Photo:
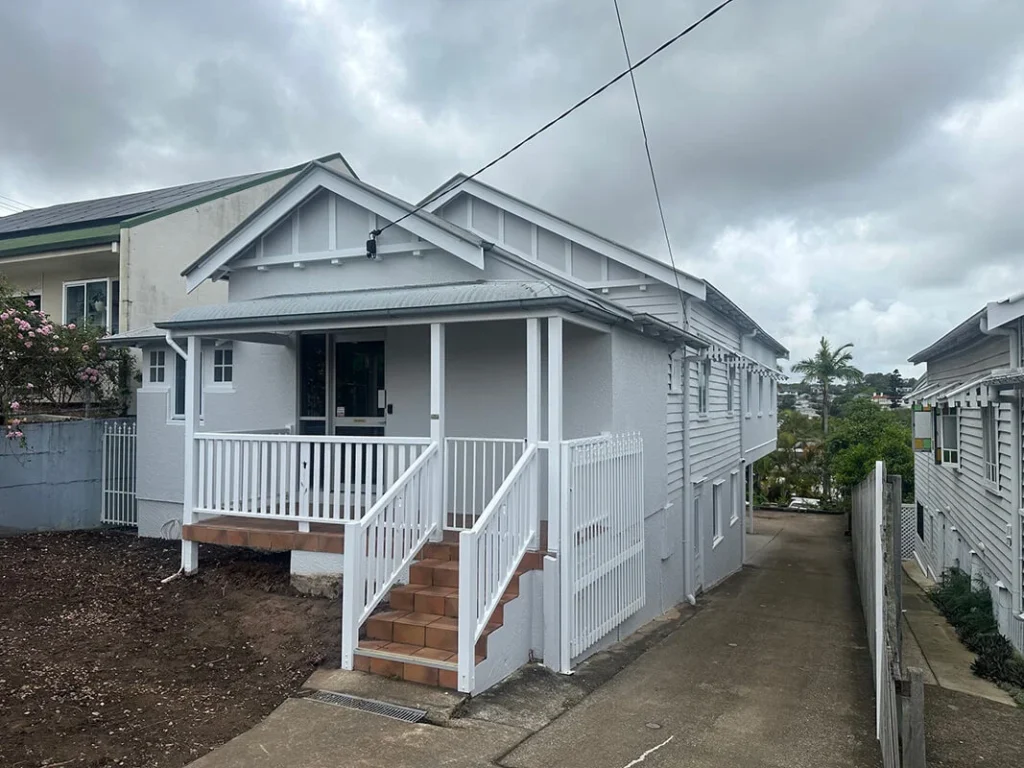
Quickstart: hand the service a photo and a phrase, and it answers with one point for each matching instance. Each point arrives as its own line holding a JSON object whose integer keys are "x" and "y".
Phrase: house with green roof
{"x": 115, "y": 262}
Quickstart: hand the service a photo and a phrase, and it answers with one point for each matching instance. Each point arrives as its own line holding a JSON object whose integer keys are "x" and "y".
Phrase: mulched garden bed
{"x": 102, "y": 665}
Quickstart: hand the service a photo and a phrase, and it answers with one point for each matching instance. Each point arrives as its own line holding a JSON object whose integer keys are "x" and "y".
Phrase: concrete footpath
{"x": 772, "y": 670}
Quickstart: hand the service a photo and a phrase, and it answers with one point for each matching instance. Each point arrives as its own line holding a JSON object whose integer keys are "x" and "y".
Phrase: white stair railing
{"x": 489, "y": 554}
{"x": 330, "y": 479}
{"x": 380, "y": 547}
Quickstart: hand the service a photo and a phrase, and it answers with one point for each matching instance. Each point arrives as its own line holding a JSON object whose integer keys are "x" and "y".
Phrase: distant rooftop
{"x": 122, "y": 207}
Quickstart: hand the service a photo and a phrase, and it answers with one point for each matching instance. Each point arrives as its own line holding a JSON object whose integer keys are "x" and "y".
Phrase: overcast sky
{"x": 852, "y": 168}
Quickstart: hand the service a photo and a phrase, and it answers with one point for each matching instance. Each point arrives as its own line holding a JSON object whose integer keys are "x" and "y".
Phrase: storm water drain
{"x": 394, "y": 711}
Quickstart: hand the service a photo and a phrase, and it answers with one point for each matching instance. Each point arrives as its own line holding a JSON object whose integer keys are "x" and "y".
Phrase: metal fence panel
{"x": 119, "y": 506}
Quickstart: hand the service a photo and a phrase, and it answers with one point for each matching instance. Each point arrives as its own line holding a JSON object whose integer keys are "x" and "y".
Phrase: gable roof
{"x": 430, "y": 227}
{"x": 967, "y": 332}
{"x": 658, "y": 269}
{"x": 124, "y": 207}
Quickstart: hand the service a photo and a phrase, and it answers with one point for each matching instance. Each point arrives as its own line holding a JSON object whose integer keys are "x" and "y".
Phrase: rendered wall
{"x": 54, "y": 483}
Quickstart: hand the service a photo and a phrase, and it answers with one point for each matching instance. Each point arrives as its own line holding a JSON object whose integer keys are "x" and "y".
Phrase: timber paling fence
{"x": 877, "y": 535}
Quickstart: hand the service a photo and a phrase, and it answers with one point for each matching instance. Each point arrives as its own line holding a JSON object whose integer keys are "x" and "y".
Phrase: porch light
{"x": 336, "y": 262}
{"x": 298, "y": 265}
{"x": 261, "y": 268}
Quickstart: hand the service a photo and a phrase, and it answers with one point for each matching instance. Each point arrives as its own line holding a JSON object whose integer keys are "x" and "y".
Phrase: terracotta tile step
{"x": 421, "y": 630}
{"x": 420, "y": 598}
{"x": 266, "y": 534}
{"x": 427, "y": 666}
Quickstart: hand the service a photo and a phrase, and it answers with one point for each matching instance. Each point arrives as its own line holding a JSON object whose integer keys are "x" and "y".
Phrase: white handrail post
{"x": 437, "y": 425}
{"x": 554, "y": 431}
{"x": 533, "y": 415}
{"x": 467, "y": 611}
{"x": 349, "y": 587}
{"x": 190, "y": 549}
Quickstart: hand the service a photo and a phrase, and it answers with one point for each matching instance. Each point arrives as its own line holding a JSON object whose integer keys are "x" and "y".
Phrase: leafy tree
{"x": 867, "y": 434}
{"x": 824, "y": 369}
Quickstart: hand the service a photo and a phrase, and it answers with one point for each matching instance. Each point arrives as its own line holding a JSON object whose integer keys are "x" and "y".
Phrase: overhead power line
{"x": 12, "y": 201}
{"x": 650, "y": 162}
{"x": 668, "y": 43}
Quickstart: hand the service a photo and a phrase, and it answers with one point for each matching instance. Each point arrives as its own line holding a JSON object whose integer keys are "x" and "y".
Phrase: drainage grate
{"x": 394, "y": 711}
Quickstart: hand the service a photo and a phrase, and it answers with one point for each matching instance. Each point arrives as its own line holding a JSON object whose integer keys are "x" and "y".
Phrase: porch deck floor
{"x": 277, "y": 535}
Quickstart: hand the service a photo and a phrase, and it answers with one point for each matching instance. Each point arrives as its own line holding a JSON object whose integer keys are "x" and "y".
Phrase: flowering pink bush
{"x": 69, "y": 367}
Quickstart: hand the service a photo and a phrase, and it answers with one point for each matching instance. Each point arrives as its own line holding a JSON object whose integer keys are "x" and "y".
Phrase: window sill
{"x": 219, "y": 388}
{"x": 703, "y": 416}
{"x": 717, "y": 540}
{"x": 746, "y": 415}
{"x": 760, "y": 414}
{"x": 992, "y": 488}
{"x": 733, "y": 521}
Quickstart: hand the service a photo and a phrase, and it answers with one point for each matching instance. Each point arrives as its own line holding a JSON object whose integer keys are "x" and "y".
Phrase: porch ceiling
{"x": 385, "y": 303}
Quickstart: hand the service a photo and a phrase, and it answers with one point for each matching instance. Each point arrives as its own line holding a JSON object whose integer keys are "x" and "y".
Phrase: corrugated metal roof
{"x": 379, "y": 301}
{"x": 118, "y": 207}
{"x": 128, "y": 338}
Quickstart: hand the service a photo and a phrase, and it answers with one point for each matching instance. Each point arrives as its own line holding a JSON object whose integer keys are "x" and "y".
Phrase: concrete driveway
{"x": 772, "y": 671}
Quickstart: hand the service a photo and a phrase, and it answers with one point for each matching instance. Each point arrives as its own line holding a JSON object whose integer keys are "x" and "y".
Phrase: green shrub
{"x": 969, "y": 609}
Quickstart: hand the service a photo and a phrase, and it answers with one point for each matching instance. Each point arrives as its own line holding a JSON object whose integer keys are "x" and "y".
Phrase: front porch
{"x": 448, "y": 533}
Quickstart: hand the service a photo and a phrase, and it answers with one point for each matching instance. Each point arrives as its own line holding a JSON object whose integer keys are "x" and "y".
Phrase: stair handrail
{"x": 404, "y": 522}
{"x": 490, "y": 553}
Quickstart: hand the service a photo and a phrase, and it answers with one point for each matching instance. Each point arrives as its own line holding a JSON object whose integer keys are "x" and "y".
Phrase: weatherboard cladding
{"x": 980, "y": 512}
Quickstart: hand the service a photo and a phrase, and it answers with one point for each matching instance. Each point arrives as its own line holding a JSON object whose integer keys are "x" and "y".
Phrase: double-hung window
{"x": 947, "y": 436}
{"x": 703, "y": 386}
{"x": 223, "y": 365}
{"x": 990, "y": 444}
{"x": 157, "y": 366}
{"x": 93, "y": 302}
{"x": 730, "y": 397}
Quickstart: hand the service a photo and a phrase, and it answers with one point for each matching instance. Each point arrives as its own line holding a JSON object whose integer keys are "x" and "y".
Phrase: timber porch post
{"x": 190, "y": 549}
{"x": 437, "y": 426}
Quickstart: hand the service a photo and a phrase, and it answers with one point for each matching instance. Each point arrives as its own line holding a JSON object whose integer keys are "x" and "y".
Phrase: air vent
{"x": 383, "y": 708}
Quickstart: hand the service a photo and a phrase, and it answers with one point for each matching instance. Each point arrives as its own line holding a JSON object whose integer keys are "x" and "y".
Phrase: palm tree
{"x": 824, "y": 369}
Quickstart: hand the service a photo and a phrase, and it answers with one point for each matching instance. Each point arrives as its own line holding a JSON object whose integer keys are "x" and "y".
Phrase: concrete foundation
{"x": 317, "y": 573}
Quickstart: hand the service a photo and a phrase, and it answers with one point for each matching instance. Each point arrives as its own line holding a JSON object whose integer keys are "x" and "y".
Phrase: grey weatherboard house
{"x": 967, "y": 457}
{"x": 525, "y": 439}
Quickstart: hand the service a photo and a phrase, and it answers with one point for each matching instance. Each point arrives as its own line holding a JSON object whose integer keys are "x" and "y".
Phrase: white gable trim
{"x": 644, "y": 264}
{"x": 291, "y": 198}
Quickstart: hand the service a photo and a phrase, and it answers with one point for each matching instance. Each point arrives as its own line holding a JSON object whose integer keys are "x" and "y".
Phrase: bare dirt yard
{"x": 102, "y": 665}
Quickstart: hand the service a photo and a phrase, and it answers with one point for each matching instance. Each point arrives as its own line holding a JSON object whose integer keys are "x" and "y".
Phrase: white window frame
{"x": 990, "y": 444}
{"x": 730, "y": 396}
{"x": 703, "y": 386}
{"x": 716, "y": 513}
{"x": 947, "y": 454}
{"x": 735, "y": 497}
{"x": 172, "y": 391}
{"x": 223, "y": 364}
{"x": 760, "y": 396}
{"x": 675, "y": 374}
{"x": 111, "y": 310}
{"x": 773, "y": 397}
{"x": 750, "y": 394}
{"x": 158, "y": 364}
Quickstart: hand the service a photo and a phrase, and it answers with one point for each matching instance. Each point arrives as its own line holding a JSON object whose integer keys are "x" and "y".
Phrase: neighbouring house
{"x": 523, "y": 438}
{"x": 114, "y": 262}
{"x": 967, "y": 460}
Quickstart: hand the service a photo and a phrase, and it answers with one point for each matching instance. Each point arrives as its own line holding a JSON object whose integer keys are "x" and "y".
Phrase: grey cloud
{"x": 800, "y": 146}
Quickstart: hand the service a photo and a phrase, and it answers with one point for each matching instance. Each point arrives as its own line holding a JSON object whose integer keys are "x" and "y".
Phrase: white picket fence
{"x": 602, "y": 538}
{"x": 319, "y": 479}
{"x": 118, "y": 502}
{"x": 489, "y": 554}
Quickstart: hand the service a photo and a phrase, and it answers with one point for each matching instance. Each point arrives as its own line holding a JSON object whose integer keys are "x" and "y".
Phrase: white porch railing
{"x": 380, "y": 547}
{"x": 475, "y": 469}
{"x": 297, "y": 477}
{"x": 601, "y": 538}
{"x": 489, "y": 554}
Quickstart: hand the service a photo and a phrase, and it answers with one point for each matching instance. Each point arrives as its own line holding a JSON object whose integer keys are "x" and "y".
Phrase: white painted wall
{"x": 760, "y": 424}
{"x": 46, "y": 276}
